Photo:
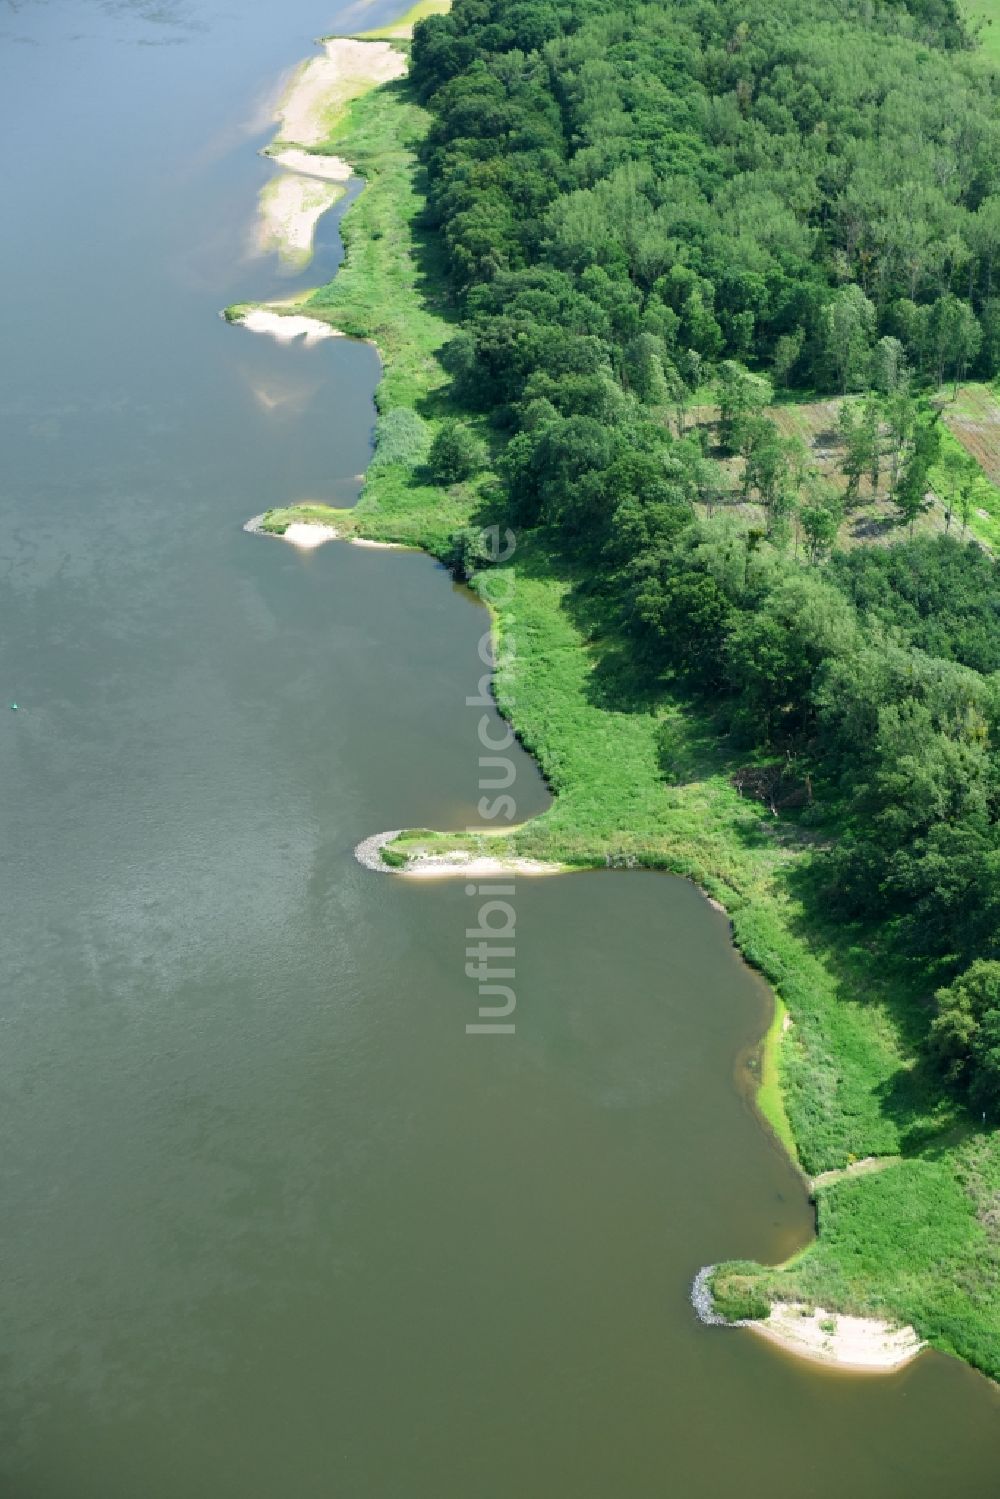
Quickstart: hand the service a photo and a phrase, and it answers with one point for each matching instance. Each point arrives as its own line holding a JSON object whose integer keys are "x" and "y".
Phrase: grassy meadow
{"x": 983, "y": 18}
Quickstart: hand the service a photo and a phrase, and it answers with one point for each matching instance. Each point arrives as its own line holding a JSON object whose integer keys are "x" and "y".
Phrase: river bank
{"x": 911, "y": 1241}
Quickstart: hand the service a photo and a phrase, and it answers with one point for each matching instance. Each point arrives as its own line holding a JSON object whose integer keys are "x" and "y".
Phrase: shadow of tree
{"x": 869, "y": 970}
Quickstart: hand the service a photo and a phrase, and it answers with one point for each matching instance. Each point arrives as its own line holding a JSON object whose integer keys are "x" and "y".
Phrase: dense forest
{"x": 643, "y": 201}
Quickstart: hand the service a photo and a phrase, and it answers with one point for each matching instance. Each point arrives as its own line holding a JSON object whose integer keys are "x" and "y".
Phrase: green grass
{"x": 917, "y": 1241}
{"x": 277, "y": 521}
{"x": 770, "y": 1097}
{"x": 389, "y": 290}
{"x": 983, "y": 19}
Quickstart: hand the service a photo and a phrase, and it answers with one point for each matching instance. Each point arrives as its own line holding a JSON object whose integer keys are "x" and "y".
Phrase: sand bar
{"x": 290, "y": 208}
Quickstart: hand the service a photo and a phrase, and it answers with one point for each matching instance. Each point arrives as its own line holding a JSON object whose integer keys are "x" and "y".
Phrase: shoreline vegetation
{"x": 905, "y": 1248}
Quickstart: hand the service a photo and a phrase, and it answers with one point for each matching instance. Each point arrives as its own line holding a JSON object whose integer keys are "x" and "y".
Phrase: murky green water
{"x": 273, "y": 1224}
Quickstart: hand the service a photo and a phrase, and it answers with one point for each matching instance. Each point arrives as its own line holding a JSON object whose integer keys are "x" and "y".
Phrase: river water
{"x": 272, "y": 1223}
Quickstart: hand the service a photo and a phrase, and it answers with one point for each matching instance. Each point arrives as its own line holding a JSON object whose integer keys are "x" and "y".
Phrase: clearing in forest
{"x": 973, "y": 417}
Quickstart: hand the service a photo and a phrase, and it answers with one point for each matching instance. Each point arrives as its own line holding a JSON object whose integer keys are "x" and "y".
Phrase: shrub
{"x": 738, "y": 1296}
{"x": 965, "y": 1034}
{"x": 467, "y": 552}
{"x": 401, "y": 437}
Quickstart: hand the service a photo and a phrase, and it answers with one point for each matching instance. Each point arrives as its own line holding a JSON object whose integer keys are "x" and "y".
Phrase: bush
{"x": 468, "y": 552}
{"x": 965, "y": 1035}
{"x": 738, "y": 1296}
{"x": 400, "y": 438}
{"x": 455, "y": 454}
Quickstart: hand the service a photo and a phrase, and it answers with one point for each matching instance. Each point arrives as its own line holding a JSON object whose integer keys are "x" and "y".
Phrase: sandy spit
{"x": 309, "y": 534}
{"x": 285, "y": 328}
{"x": 858, "y": 1343}
{"x": 304, "y": 534}
{"x": 440, "y": 866}
{"x": 322, "y": 86}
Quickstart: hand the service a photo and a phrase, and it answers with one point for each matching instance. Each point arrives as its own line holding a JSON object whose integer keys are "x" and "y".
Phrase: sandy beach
{"x": 381, "y": 546}
{"x": 856, "y": 1343}
{"x": 309, "y": 534}
{"x": 286, "y": 328}
{"x": 304, "y": 534}
{"x": 321, "y": 87}
{"x": 856, "y": 1168}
